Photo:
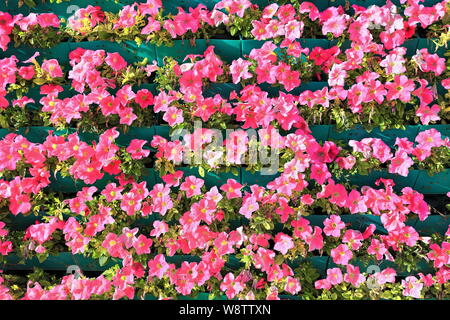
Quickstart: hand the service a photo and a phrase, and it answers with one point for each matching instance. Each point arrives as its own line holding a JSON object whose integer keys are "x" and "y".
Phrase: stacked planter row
{"x": 229, "y": 50}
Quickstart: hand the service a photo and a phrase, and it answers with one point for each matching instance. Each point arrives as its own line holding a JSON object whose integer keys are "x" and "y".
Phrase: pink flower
{"x": 114, "y": 246}
{"x": 334, "y": 276}
{"x": 412, "y": 287}
{"x": 48, "y": 20}
{"x": 446, "y": 83}
{"x": 128, "y": 237}
{"x": 259, "y": 30}
{"x": 130, "y": 203}
{"x": 355, "y": 202}
{"x": 322, "y": 284}
{"x": 5, "y": 248}
{"x": 159, "y": 228}
{"x": 237, "y": 7}
{"x": 394, "y": 62}
{"x": 283, "y": 243}
{"x": 173, "y": 179}
{"x": 353, "y": 276}
{"x": 173, "y": 116}
{"x": 335, "y": 24}
{"x": 151, "y": 7}
{"x": 144, "y": 98}
{"x": 289, "y": 78}
{"x": 377, "y": 248}
{"x": 409, "y": 236}
{"x": 333, "y": 226}
{"x": 19, "y": 204}
{"x": 3, "y": 232}
{"x": 315, "y": 240}
{"x": 302, "y": 228}
{"x": 142, "y": 245}
{"x": 53, "y": 68}
{"x": 401, "y": 88}
{"x": 319, "y": 172}
{"x": 112, "y": 192}
{"x": 192, "y": 186}
{"x": 239, "y": 70}
{"x": 341, "y": 254}
{"x": 429, "y": 139}
{"x": 231, "y": 286}
{"x": 27, "y": 72}
{"x": 115, "y": 61}
{"x": 292, "y": 285}
{"x": 249, "y": 205}
{"x": 400, "y": 164}
{"x": 430, "y": 62}
{"x": 135, "y": 149}
{"x": 428, "y": 114}
{"x": 353, "y": 238}
{"x": 22, "y": 102}
{"x": 307, "y": 199}
{"x": 158, "y": 266}
{"x": 232, "y": 189}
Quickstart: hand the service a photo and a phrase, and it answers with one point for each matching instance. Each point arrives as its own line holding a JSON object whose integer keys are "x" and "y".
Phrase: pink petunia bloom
{"x": 283, "y": 243}
{"x": 144, "y": 98}
{"x": 173, "y": 179}
{"x": 409, "y": 235}
{"x": 315, "y": 240}
{"x": 377, "y": 248}
{"x": 53, "y": 68}
{"x": 158, "y": 266}
{"x": 27, "y": 72}
{"x": 173, "y": 116}
{"x": 322, "y": 284}
{"x": 249, "y": 205}
{"x": 130, "y": 203}
{"x": 334, "y": 276}
{"x": 46, "y": 20}
{"x": 353, "y": 239}
{"x": 159, "y": 228}
{"x": 333, "y": 226}
{"x": 142, "y": 245}
{"x": 355, "y": 202}
{"x": 412, "y": 287}
{"x": 5, "y": 247}
{"x": 135, "y": 149}
{"x": 115, "y": 61}
{"x": 192, "y": 186}
{"x": 429, "y": 139}
{"x": 231, "y": 286}
{"x": 401, "y": 88}
{"x": 232, "y": 189}
{"x": 335, "y": 24}
{"x": 114, "y": 246}
{"x": 239, "y": 70}
{"x": 353, "y": 276}
{"x": 151, "y": 7}
{"x": 292, "y": 285}
{"x": 400, "y": 164}
{"x": 341, "y": 254}
{"x": 428, "y": 114}
{"x": 319, "y": 172}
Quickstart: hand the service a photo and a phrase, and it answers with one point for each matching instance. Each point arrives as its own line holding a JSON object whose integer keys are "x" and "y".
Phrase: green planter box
{"x": 417, "y": 179}
{"x": 227, "y": 50}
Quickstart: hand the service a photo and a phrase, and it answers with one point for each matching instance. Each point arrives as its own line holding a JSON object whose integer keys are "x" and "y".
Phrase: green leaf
{"x": 201, "y": 172}
{"x": 103, "y": 260}
{"x": 30, "y": 3}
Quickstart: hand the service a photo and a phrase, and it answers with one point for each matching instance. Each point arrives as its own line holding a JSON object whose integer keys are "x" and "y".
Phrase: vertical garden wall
{"x": 127, "y": 152}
